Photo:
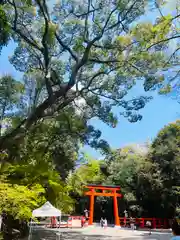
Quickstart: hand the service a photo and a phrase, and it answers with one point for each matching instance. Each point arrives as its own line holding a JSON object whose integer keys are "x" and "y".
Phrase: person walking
{"x": 132, "y": 225}
{"x": 86, "y": 214}
{"x": 176, "y": 230}
{"x": 125, "y": 217}
{"x": 149, "y": 225}
{"x": 101, "y": 222}
{"x": 105, "y": 223}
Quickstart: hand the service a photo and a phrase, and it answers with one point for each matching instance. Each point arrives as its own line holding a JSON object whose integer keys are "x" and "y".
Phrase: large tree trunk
{"x": 45, "y": 109}
{"x": 13, "y": 229}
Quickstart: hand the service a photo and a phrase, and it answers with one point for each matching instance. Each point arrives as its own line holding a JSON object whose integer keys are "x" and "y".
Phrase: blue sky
{"x": 158, "y": 112}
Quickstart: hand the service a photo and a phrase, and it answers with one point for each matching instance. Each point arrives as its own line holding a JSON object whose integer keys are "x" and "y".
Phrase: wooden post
{"x": 116, "y": 213}
{"x": 154, "y": 223}
{"x": 91, "y": 210}
{"x": 124, "y": 221}
{"x": 165, "y": 223}
{"x": 142, "y": 223}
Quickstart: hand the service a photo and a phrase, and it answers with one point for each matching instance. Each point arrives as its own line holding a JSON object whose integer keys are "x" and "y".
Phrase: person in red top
{"x": 83, "y": 221}
{"x": 53, "y": 222}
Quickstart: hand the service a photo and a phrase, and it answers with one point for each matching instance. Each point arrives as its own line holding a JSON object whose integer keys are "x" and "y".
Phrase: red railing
{"x": 155, "y": 222}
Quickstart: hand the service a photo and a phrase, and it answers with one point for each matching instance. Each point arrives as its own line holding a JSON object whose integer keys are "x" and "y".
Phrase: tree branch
{"x": 84, "y": 59}
{"x": 124, "y": 18}
{"x": 172, "y": 55}
{"x": 91, "y": 80}
{"x": 45, "y": 49}
{"x": 86, "y": 32}
{"x": 176, "y": 17}
{"x": 109, "y": 17}
{"x": 85, "y": 14}
{"x": 66, "y": 48}
{"x": 158, "y": 7}
{"x": 103, "y": 61}
{"x": 135, "y": 67}
{"x": 80, "y": 63}
{"x": 97, "y": 75}
{"x": 14, "y": 28}
{"x": 103, "y": 95}
{"x": 112, "y": 47}
{"x": 90, "y": 44}
{"x": 174, "y": 77}
{"x": 164, "y": 40}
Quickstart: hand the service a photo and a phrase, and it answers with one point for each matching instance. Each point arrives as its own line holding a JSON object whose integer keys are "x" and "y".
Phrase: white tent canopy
{"x": 47, "y": 210}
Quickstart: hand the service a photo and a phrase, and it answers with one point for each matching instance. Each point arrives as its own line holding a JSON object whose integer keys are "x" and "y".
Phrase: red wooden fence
{"x": 155, "y": 222}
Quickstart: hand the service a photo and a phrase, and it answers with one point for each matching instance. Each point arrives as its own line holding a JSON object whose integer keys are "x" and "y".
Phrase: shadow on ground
{"x": 43, "y": 234}
{"x": 49, "y": 234}
{"x": 155, "y": 236}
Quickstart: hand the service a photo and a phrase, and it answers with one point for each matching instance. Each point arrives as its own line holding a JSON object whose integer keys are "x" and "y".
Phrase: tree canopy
{"x": 92, "y": 52}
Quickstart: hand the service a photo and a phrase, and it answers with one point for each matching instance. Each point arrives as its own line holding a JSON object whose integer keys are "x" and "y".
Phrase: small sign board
{"x": 76, "y": 223}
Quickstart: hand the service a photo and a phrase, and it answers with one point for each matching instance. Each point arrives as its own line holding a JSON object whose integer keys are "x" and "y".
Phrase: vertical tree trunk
{"x": 6, "y": 227}
{"x": 13, "y": 229}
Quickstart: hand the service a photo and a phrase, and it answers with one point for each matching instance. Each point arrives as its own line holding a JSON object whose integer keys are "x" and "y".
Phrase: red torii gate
{"x": 106, "y": 191}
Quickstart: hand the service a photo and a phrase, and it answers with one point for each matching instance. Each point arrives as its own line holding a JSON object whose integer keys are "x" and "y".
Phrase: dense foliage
{"x": 20, "y": 200}
{"x": 27, "y": 185}
{"x": 4, "y": 27}
{"x": 143, "y": 172}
